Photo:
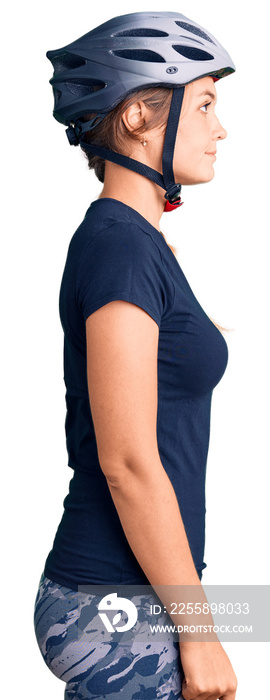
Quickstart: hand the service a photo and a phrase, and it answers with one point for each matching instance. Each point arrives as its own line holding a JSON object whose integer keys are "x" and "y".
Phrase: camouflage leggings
{"x": 94, "y": 669}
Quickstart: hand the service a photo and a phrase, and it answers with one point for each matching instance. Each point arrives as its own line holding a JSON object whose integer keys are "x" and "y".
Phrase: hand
{"x": 208, "y": 672}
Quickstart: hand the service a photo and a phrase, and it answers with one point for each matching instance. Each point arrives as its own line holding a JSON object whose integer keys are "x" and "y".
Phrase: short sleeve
{"x": 121, "y": 262}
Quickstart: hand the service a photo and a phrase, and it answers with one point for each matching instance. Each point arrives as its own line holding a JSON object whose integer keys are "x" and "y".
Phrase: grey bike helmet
{"x": 143, "y": 49}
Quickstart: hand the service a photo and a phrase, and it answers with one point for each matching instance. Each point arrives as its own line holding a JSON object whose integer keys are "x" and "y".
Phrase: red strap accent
{"x": 172, "y": 207}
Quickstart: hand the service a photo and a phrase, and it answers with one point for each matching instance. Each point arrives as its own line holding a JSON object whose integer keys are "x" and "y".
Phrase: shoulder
{"x": 126, "y": 235}
{"x": 121, "y": 261}
{"x": 120, "y": 243}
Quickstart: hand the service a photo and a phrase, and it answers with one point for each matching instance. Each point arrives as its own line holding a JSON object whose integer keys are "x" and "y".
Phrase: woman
{"x": 141, "y": 358}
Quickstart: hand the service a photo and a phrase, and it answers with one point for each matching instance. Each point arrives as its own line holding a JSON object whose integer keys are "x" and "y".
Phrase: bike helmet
{"x": 142, "y": 49}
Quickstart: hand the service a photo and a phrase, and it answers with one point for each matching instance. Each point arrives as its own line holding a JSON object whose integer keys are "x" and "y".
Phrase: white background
{"x": 221, "y": 234}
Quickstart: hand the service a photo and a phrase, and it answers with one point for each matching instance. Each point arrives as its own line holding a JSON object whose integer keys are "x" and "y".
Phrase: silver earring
{"x": 144, "y": 142}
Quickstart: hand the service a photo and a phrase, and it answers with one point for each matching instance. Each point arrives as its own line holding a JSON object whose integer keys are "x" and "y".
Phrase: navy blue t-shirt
{"x": 117, "y": 254}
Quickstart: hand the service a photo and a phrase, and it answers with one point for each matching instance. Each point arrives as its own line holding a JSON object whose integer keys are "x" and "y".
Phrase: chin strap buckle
{"x": 173, "y": 197}
{"x": 73, "y": 134}
{"x": 172, "y": 207}
{"x": 173, "y": 193}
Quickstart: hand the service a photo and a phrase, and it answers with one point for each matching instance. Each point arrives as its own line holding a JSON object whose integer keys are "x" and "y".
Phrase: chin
{"x": 198, "y": 178}
{"x": 208, "y": 177}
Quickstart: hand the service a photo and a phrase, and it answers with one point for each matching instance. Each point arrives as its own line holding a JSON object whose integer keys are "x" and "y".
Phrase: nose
{"x": 220, "y": 132}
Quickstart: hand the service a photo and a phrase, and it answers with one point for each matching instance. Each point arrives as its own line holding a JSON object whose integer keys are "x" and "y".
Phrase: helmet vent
{"x": 141, "y": 32}
{"x": 195, "y": 30}
{"x": 140, "y": 55}
{"x": 193, "y": 54}
{"x": 65, "y": 61}
{"x": 57, "y": 94}
{"x": 83, "y": 87}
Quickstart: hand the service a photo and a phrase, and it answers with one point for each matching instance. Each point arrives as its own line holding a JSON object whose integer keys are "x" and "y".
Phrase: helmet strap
{"x": 172, "y": 189}
{"x": 166, "y": 181}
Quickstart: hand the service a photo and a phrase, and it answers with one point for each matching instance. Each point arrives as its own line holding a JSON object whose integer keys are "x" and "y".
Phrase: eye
{"x": 205, "y": 106}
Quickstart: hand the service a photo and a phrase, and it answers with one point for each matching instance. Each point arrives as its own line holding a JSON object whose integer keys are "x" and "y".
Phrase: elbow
{"x": 125, "y": 464}
{"x": 115, "y": 481}
{"x": 129, "y": 473}
{"x": 116, "y": 473}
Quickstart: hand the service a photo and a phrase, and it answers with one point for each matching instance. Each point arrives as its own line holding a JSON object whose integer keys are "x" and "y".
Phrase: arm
{"x": 122, "y": 346}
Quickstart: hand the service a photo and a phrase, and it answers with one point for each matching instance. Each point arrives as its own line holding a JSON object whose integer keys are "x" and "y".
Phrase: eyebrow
{"x": 207, "y": 92}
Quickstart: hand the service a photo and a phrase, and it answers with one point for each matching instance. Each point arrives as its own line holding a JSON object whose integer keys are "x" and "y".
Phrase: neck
{"x": 135, "y": 190}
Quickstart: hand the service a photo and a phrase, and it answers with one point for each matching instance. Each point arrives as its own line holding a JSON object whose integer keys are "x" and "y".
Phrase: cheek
{"x": 192, "y": 137}
{"x": 189, "y": 149}
{"x": 190, "y": 163}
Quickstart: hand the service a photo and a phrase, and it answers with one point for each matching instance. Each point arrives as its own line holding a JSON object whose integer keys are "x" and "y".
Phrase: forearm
{"x": 150, "y": 516}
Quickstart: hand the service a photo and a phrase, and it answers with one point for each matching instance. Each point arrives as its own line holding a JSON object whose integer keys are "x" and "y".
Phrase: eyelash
{"x": 206, "y": 105}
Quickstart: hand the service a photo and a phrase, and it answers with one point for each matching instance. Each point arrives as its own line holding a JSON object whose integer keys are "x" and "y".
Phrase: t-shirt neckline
{"x": 134, "y": 211}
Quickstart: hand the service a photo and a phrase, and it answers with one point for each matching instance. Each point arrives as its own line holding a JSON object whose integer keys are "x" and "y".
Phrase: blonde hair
{"x": 112, "y": 133}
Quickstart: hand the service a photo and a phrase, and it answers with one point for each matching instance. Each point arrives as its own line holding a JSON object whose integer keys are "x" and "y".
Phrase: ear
{"x": 134, "y": 116}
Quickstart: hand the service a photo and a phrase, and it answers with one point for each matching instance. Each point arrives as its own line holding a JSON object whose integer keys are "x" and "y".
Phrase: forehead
{"x": 203, "y": 85}
{"x": 196, "y": 91}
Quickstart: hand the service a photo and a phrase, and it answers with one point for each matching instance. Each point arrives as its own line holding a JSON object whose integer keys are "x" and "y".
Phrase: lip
{"x": 211, "y": 154}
